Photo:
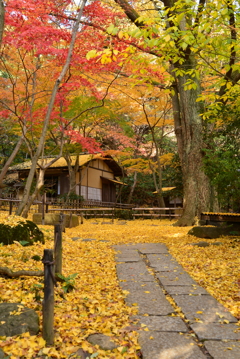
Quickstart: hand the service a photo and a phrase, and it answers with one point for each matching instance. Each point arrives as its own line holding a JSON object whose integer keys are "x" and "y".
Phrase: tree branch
{"x": 232, "y": 76}
{"x": 93, "y": 107}
{"x": 8, "y": 272}
{"x": 130, "y": 12}
{"x": 2, "y": 18}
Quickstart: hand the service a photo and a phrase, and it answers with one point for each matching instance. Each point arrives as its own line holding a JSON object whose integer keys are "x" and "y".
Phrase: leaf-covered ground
{"x": 96, "y": 305}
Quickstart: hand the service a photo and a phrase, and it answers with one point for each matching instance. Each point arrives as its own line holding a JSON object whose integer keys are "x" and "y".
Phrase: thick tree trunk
{"x": 187, "y": 112}
{"x": 197, "y": 191}
{"x": 189, "y": 133}
{"x": 187, "y": 119}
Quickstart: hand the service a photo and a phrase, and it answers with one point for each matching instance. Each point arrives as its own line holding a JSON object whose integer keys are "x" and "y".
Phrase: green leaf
{"x": 110, "y": 29}
{"x": 24, "y": 243}
{"x": 91, "y": 54}
{"x": 224, "y": 11}
{"x": 184, "y": 45}
{"x": 124, "y": 350}
{"x": 36, "y": 258}
{"x": 94, "y": 355}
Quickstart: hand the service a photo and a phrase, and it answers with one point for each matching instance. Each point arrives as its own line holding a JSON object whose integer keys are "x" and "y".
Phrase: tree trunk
{"x": 2, "y": 18}
{"x": 39, "y": 185}
{"x": 158, "y": 187}
{"x": 10, "y": 159}
{"x": 189, "y": 133}
{"x": 72, "y": 174}
{"x": 132, "y": 188}
{"x": 187, "y": 121}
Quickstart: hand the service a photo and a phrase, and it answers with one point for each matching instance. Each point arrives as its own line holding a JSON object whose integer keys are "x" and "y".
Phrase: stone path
{"x": 149, "y": 273}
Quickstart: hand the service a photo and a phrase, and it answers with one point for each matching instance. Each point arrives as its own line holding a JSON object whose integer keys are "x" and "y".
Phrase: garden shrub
{"x": 14, "y": 228}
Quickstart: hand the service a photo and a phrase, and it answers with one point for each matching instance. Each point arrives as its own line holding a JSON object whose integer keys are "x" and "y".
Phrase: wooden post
{"x": 81, "y": 216}
{"x": 10, "y": 207}
{"x": 58, "y": 248}
{"x": 48, "y": 302}
{"x": 61, "y": 220}
{"x": 70, "y": 220}
{"x": 43, "y": 209}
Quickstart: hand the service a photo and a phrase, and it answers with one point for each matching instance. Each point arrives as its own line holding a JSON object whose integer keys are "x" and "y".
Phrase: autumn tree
{"x": 151, "y": 117}
{"x": 35, "y": 45}
{"x": 40, "y": 40}
{"x": 54, "y": 92}
{"x": 190, "y": 39}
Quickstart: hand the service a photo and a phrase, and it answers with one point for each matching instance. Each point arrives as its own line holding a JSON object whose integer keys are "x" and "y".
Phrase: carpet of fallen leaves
{"x": 96, "y": 305}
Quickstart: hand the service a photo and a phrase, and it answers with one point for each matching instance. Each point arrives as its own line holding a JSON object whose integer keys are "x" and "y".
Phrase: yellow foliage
{"x": 166, "y": 159}
{"x": 12, "y": 220}
{"x": 96, "y": 305}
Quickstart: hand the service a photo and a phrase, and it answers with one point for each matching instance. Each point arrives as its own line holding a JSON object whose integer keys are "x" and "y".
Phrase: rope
{"x": 50, "y": 264}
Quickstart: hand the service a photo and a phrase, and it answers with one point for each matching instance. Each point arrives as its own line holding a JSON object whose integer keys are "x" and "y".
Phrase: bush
{"x": 123, "y": 213}
{"x": 71, "y": 197}
{"x": 20, "y": 230}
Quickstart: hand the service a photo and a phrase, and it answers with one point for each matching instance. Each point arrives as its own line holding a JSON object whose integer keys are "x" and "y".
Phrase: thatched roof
{"x": 61, "y": 163}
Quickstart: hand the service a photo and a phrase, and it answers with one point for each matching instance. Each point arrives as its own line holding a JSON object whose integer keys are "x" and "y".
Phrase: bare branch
{"x": 93, "y": 107}
{"x": 8, "y": 272}
{"x": 2, "y": 18}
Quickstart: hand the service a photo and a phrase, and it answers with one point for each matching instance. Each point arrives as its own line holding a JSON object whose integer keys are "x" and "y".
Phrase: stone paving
{"x": 207, "y": 331}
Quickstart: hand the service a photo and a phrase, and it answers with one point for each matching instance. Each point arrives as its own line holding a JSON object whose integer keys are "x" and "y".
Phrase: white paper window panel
{"x": 91, "y": 193}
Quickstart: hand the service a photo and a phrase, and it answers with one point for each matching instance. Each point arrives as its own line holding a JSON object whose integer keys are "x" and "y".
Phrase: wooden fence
{"x": 92, "y": 209}
{"x": 169, "y": 212}
{"x": 10, "y": 205}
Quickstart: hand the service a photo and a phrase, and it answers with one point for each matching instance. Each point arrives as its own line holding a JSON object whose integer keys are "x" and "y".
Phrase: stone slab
{"x": 162, "y": 323}
{"x": 127, "y": 252}
{"x": 210, "y": 310}
{"x": 165, "y": 345}
{"x": 150, "y": 299}
{"x": 216, "y": 331}
{"x": 75, "y": 238}
{"x": 128, "y": 256}
{"x": 133, "y": 272}
{"x": 139, "y": 285}
{"x": 144, "y": 248}
{"x": 175, "y": 278}
{"x": 220, "y": 350}
{"x": 164, "y": 263}
{"x": 119, "y": 247}
{"x": 127, "y": 259}
{"x": 88, "y": 239}
{"x": 191, "y": 290}
{"x": 154, "y": 248}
